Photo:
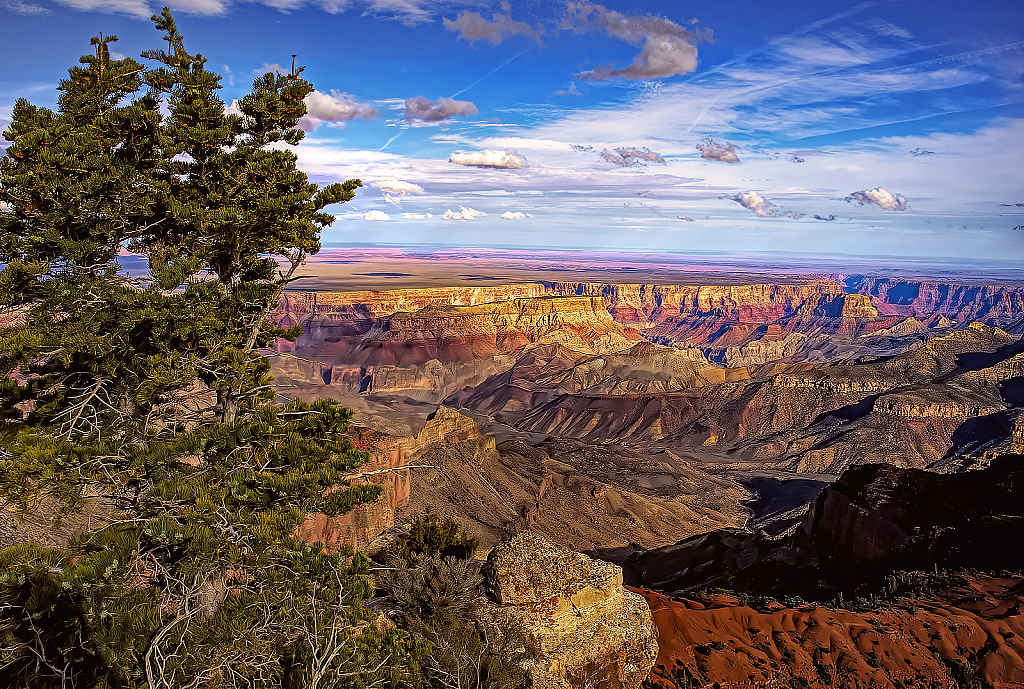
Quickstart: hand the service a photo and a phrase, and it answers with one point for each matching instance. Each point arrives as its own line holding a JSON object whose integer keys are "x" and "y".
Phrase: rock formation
{"x": 390, "y": 458}
{"x": 590, "y": 631}
{"x": 874, "y": 520}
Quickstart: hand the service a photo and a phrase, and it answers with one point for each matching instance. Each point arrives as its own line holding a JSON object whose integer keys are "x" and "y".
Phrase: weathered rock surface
{"x": 589, "y": 629}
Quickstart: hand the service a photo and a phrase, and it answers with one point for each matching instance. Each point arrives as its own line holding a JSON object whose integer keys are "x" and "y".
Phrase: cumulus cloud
{"x": 753, "y": 201}
{"x": 879, "y": 197}
{"x": 632, "y": 157}
{"x": 376, "y": 215}
{"x": 333, "y": 107}
{"x": 496, "y": 159}
{"x": 462, "y": 214}
{"x": 426, "y": 110}
{"x": 417, "y": 216}
{"x": 668, "y": 48}
{"x": 515, "y": 215}
{"x": 571, "y": 91}
{"x": 712, "y": 150}
{"x": 473, "y": 27}
{"x": 397, "y": 187}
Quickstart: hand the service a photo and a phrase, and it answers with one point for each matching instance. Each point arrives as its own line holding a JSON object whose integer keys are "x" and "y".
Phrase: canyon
{"x": 794, "y": 439}
{"x": 807, "y": 376}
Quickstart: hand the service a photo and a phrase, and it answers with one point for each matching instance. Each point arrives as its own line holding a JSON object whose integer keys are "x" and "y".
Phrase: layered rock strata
{"x": 388, "y": 467}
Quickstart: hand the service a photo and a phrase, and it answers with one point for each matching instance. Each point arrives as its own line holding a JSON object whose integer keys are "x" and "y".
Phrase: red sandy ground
{"x": 720, "y": 643}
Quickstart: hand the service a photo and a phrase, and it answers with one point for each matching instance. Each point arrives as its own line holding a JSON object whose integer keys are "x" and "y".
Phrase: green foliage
{"x": 429, "y": 536}
{"x": 150, "y": 396}
{"x": 439, "y": 600}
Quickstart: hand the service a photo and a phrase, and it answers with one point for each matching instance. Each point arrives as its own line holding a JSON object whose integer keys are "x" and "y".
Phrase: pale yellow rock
{"x": 589, "y": 629}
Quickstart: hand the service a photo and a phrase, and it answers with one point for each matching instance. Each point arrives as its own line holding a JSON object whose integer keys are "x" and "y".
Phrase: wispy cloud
{"x": 26, "y": 8}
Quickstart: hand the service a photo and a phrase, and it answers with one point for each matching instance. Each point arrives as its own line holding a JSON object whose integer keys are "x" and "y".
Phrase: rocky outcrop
{"x": 590, "y": 631}
{"x": 874, "y": 520}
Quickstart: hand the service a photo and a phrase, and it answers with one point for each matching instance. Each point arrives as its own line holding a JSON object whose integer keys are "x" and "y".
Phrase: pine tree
{"x": 150, "y": 394}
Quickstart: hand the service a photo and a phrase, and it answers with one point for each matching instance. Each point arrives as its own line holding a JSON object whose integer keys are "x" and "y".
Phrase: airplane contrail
{"x": 491, "y": 73}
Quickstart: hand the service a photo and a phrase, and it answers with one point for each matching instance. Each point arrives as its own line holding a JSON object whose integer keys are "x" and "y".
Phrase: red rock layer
{"x": 973, "y": 630}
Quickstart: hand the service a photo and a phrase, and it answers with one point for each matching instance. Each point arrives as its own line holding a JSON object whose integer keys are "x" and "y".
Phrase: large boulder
{"x": 590, "y": 631}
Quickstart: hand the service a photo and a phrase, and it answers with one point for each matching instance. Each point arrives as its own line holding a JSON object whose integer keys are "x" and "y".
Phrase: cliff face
{"x": 803, "y": 376}
{"x": 895, "y": 297}
{"x": 875, "y": 519}
{"x": 389, "y": 456}
{"x": 365, "y": 335}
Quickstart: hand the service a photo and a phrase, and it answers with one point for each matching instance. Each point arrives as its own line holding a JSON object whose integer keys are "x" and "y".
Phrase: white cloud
{"x": 376, "y": 215}
{"x": 712, "y": 150}
{"x": 632, "y": 156}
{"x": 426, "y": 110}
{"x": 333, "y": 107}
{"x": 879, "y": 197}
{"x": 573, "y": 90}
{"x": 753, "y": 201}
{"x": 462, "y": 214}
{"x": 397, "y": 187}
{"x": 516, "y": 215}
{"x": 496, "y": 159}
{"x": 271, "y": 67}
{"x": 473, "y": 27}
{"x": 416, "y": 216}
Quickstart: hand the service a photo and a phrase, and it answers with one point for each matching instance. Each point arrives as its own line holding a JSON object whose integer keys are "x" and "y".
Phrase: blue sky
{"x": 899, "y": 124}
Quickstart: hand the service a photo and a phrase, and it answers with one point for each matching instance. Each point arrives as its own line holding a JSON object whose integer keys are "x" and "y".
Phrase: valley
{"x": 603, "y": 414}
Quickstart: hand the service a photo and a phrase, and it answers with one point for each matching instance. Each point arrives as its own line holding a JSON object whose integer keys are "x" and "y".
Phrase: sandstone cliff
{"x": 390, "y": 458}
{"x": 590, "y": 630}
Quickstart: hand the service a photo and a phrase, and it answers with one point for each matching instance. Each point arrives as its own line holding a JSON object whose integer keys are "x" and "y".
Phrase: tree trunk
{"x": 227, "y": 404}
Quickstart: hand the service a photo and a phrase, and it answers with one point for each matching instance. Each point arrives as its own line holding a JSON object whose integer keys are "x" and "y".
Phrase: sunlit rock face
{"x": 590, "y": 631}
